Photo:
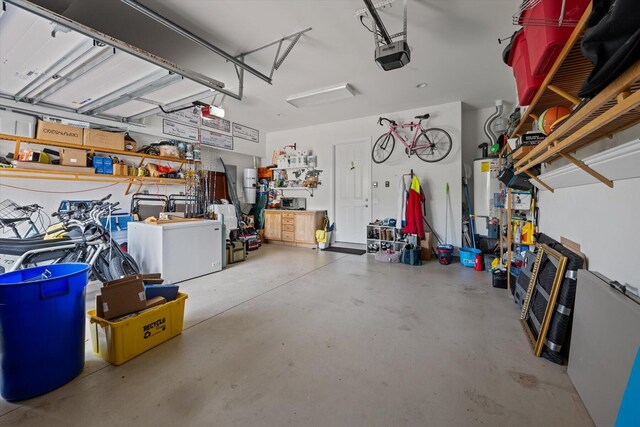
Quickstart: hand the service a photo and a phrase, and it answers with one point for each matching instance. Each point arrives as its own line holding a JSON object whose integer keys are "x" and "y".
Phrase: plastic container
{"x": 118, "y": 342}
{"x": 488, "y": 260}
{"x": 468, "y": 256}
{"x": 544, "y": 42}
{"x": 499, "y": 279}
{"x": 445, "y": 254}
{"x": 526, "y": 82}
{"x": 41, "y": 328}
{"x": 325, "y": 245}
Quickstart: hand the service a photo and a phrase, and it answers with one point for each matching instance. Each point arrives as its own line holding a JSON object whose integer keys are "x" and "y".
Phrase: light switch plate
{"x": 386, "y": 183}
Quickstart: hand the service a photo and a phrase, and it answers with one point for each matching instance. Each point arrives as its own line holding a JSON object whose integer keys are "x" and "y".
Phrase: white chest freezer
{"x": 179, "y": 251}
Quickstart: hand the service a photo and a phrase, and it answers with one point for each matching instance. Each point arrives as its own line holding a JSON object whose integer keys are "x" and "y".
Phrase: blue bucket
{"x": 41, "y": 328}
{"x": 468, "y": 256}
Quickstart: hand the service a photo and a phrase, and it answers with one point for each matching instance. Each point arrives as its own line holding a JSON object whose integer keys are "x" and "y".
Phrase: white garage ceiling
{"x": 454, "y": 50}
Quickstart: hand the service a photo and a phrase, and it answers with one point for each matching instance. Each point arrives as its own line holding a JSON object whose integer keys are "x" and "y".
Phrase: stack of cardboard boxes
{"x": 89, "y": 140}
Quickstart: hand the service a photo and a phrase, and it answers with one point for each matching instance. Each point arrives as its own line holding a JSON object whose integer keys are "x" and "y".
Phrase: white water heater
{"x": 250, "y": 183}
{"x": 485, "y": 185}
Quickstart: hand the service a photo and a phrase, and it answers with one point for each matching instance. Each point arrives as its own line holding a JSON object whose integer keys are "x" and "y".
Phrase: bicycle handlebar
{"x": 391, "y": 122}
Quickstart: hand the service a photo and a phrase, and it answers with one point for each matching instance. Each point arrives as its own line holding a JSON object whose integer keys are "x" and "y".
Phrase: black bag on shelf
{"x": 611, "y": 42}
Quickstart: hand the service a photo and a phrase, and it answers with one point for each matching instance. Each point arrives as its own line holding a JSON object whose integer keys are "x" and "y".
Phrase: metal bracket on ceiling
{"x": 292, "y": 38}
{"x": 380, "y": 33}
{"x": 364, "y": 11}
{"x": 170, "y": 106}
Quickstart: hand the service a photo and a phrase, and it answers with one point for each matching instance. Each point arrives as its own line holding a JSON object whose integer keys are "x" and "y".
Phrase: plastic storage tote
{"x": 41, "y": 328}
{"x": 118, "y": 342}
{"x": 527, "y": 83}
{"x": 544, "y": 42}
{"x": 468, "y": 256}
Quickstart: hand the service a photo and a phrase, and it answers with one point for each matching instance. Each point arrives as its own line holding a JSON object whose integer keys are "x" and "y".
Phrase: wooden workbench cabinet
{"x": 292, "y": 228}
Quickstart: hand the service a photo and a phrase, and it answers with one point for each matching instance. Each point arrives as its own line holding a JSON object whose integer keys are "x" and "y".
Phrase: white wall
{"x": 321, "y": 139}
{"x": 603, "y": 220}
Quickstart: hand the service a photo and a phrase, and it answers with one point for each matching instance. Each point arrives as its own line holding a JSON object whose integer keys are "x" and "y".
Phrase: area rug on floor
{"x": 349, "y": 251}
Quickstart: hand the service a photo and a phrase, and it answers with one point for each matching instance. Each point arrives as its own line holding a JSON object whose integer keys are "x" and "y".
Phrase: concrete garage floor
{"x": 297, "y": 337}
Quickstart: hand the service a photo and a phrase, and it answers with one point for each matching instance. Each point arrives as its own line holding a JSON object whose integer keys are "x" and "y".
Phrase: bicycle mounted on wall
{"x": 430, "y": 145}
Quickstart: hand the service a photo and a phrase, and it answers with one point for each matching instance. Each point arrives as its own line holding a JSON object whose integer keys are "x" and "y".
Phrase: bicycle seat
{"x": 423, "y": 117}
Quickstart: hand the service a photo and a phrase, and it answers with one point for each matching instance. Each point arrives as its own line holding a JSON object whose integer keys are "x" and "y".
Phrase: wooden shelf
{"x": 52, "y": 175}
{"x": 24, "y": 140}
{"x": 611, "y": 111}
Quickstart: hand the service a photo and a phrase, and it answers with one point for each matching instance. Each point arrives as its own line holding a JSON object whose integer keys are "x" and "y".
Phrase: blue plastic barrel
{"x": 42, "y": 325}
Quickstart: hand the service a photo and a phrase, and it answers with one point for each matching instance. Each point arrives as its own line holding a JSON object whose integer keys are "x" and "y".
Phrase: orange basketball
{"x": 551, "y": 117}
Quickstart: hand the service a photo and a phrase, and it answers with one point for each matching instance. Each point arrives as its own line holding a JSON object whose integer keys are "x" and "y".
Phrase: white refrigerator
{"x": 179, "y": 251}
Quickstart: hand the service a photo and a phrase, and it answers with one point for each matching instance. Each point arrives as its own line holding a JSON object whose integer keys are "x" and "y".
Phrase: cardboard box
{"x": 59, "y": 133}
{"x": 103, "y": 165}
{"x": 425, "y": 247}
{"x": 73, "y": 157}
{"x": 122, "y": 297}
{"x": 130, "y": 145}
{"x": 120, "y": 169}
{"x": 101, "y": 139}
{"x": 54, "y": 168}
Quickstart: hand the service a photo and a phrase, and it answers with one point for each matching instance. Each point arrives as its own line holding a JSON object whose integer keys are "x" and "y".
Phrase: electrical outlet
{"x": 386, "y": 183}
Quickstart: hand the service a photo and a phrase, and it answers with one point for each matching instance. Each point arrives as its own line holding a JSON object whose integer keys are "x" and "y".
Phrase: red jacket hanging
{"x": 415, "y": 223}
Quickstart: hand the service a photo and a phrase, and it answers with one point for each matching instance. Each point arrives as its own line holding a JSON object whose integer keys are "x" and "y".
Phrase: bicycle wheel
{"x": 435, "y": 144}
{"x": 100, "y": 269}
{"x": 383, "y": 148}
{"x": 122, "y": 265}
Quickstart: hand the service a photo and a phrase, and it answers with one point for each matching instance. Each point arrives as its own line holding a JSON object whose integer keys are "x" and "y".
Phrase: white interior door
{"x": 352, "y": 190}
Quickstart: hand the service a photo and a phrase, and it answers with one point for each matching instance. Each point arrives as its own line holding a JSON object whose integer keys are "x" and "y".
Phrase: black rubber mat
{"x": 349, "y": 251}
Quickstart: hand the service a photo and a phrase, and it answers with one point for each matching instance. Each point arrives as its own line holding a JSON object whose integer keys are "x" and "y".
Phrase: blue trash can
{"x": 42, "y": 326}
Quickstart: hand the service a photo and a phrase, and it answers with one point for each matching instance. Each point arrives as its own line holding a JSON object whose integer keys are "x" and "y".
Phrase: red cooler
{"x": 546, "y": 41}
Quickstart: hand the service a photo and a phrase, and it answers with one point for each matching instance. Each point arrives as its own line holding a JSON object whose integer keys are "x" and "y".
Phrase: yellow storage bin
{"x": 118, "y": 342}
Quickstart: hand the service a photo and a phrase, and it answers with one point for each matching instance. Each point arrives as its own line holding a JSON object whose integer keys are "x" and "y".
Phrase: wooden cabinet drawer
{"x": 287, "y": 227}
{"x": 287, "y": 220}
{"x": 287, "y": 236}
{"x": 287, "y": 214}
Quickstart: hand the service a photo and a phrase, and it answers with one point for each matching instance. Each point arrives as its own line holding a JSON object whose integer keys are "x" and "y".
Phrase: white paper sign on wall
{"x": 246, "y": 132}
{"x": 179, "y": 130}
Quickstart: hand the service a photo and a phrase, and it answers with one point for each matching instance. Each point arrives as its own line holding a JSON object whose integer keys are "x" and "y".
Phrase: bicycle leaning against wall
{"x": 430, "y": 145}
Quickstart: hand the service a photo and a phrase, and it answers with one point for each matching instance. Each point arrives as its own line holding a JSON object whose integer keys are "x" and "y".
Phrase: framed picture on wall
{"x": 217, "y": 123}
{"x": 246, "y": 132}
{"x": 215, "y": 139}
{"x": 179, "y": 130}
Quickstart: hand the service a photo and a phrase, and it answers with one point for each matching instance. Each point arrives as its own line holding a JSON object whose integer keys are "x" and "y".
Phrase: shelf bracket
{"x": 566, "y": 95}
{"x": 588, "y": 170}
{"x": 539, "y": 181}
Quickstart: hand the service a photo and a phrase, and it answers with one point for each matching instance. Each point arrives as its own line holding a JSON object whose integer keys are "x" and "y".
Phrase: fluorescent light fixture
{"x": 322, "y": 96}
